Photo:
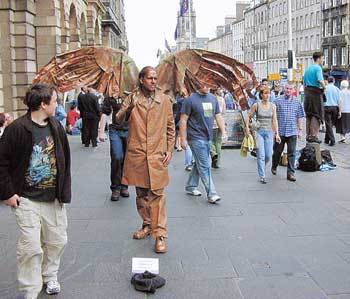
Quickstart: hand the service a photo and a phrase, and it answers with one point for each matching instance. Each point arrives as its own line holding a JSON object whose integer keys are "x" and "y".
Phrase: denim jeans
{"x": 291, "y": 148}
{"x": 202, "y": 167}
{"x": 264, "y": 140}
{"x": 188, "y": 156}
{"x": 118, "y": 142}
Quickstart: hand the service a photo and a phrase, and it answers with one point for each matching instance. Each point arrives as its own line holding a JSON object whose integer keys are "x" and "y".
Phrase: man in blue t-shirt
{"x": 196, "y": 130}
{"x": 313, "y": 104}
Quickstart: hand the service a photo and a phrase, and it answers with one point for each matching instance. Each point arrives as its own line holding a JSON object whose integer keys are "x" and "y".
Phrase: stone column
{"x": 7, "y": 52}
{"x": 24, "y": 52}
{"x": 2, "y": 109}
{"x": 48, "y": 31}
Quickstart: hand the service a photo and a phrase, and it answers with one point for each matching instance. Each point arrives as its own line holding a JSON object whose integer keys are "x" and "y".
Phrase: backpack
{"x": 307, "y": 159}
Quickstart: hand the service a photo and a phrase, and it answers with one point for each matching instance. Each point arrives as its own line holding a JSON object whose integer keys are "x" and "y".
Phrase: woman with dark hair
{"x": 2, "y": 123}
{"x": 266, "y": 118}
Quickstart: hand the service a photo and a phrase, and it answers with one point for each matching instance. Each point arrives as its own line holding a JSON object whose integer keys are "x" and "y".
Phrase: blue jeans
{"x": 188, "y": 156}
{"x": 202, "y": 167}
{"x": 118, "y": 142}
{"x": 264, "y": 140}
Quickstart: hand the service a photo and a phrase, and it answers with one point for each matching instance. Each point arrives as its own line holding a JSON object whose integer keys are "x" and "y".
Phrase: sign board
{"x": 140, "y": 265}
{"x": 274, "y": 77}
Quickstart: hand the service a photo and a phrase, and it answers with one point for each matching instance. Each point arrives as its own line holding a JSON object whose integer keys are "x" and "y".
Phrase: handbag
{"x": 254, "y": 125}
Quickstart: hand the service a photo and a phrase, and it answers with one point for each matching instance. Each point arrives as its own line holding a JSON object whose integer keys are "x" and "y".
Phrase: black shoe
{"x": 263, "y": 181}
{"x": 313, "y": 140}
{"x": 86, "y": 145}
{"x": 124, "y": 193}
{"x": 273, "y": 170}
{"x": 115, "y": 195}
{"x": 326, "y": 141}
{"x": 331, "y": 143}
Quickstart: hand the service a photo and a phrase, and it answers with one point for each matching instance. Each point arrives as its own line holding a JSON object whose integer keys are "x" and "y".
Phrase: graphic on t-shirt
{"x": 208, "y": 109}
{"x": 42, "y": 170}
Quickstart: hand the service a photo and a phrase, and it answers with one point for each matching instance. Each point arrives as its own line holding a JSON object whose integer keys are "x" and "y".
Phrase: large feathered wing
{"x": 101, "y": 68}
{"x": 183, "y": 72}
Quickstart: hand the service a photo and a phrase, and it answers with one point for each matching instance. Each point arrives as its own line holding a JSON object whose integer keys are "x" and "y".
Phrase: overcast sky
{"x": 149, "y": 22}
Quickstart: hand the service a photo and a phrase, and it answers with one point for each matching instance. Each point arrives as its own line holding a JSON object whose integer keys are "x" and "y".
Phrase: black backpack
{"x": 307, "y": 159}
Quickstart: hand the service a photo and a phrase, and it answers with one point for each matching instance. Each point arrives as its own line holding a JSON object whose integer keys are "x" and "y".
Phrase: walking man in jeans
{"x": 290, "y": 114}
{"x": 35, "y": 181}
{"x": 196, "y": 130}
{"x": 118, "y": 134}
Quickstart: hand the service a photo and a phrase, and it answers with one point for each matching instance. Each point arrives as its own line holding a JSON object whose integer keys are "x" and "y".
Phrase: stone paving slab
{"x": 280, "y": 240}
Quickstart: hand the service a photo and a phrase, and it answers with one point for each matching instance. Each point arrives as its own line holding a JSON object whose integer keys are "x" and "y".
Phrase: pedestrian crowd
{"x": 143, "y": 130}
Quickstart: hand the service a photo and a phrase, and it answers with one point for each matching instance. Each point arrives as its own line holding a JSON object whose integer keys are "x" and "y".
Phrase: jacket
{"x": 88, "y": 106}
{"x": 16, "y": 146}
{"x": 248, "y": 145}
{"x": 151, "y": 135}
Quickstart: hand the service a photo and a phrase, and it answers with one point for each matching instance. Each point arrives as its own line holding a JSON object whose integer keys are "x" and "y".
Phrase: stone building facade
{"x": 336, "y": 37}
{"x": 256, "y": 21}
{"x": 34, "y": 31}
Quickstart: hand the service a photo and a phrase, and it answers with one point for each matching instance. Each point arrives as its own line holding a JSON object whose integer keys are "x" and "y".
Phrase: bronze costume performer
{"x": 149, "y": 151}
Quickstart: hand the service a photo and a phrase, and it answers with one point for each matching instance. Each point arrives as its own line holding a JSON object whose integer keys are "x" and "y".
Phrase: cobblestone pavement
{"x": 282, "y": 240}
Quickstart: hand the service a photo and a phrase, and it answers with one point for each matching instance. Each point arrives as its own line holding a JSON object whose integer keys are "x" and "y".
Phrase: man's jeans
{"x": 202, "y": 167}
{"x": 118, "y": 143}
{"x": 278, "y": 150}
{"x": 264, "y": 140}
{"x": 188, "y": 156}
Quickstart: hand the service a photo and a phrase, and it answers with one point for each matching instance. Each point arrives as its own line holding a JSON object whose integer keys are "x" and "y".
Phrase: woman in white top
{"x": 343, "y": 124}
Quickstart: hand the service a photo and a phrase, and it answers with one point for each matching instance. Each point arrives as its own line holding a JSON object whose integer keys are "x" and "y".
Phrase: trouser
{"x": 312, "y": 126}
{"x": 83, "y": 131}
{"x": 90, "y": 129}
{"x": 188, "y": 156}
{"x": 202, "y": 167}
{"x": 152, "y": 209}
{"x": 330, "y": 118}
{"x": 216, "y": 145}
{"x": 118, "y": 143}
{"x": 43, "y": 236}
{"x": 264, "y": 140}
{"x": 291, "y": 148}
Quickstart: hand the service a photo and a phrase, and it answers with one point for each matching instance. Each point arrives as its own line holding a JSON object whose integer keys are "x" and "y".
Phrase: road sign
{"x": 274, "y": 77}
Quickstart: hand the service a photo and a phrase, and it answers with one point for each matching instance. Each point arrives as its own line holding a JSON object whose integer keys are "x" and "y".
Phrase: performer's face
{"x": 149, "y": 81}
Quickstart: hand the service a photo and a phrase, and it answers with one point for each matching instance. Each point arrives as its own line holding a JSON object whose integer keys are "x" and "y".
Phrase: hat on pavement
{"x": 147, "y": 282}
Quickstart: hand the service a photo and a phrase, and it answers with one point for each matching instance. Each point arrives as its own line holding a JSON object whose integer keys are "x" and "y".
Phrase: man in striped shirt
{"x": 290, "y": 114}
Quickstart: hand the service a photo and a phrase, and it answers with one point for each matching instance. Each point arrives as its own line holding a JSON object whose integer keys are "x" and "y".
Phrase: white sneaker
{"x": 214, "y": 199}
{"x": 195, "y": 192}
{"x": 53, "y": 287}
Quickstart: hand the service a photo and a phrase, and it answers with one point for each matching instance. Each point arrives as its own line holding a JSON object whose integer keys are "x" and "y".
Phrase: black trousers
{"x": 90, "y": 131}
{"x": 278, "y": 150}
{"x": 330, "y": 118}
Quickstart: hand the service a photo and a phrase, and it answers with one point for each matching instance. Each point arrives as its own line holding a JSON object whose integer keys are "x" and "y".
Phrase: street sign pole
{"x": 290, "y": 43}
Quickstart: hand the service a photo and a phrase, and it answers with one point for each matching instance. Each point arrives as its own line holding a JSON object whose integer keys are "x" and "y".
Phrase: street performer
{"x": 150, "y": 144}
{"x": 314, "y": 91}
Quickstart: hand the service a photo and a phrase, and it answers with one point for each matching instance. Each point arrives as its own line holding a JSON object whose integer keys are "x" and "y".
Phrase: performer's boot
{"x": 142, "y": 233}
{"x": 160, "y": 246}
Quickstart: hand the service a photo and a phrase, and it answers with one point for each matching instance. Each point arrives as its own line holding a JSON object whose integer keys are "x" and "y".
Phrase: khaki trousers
{"x": 151, "y": 207}
{"x": 43, "y": 236}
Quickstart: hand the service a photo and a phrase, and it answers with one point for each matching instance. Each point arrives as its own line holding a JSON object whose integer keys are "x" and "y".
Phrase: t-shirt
{"x": 40, "y": 177}
{"x": 201, "y": 111}
{"x": 313, "y": 75}
{"x": 112, "y": 105}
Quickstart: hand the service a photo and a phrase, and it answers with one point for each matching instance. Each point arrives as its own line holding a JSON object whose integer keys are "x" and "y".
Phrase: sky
{"x": 149, "y": 22}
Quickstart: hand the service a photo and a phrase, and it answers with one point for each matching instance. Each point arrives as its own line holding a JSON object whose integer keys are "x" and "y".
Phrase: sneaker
{"x": 115, "y": 195}
{"x": 273, "y": 170}
{"x": 53, "y": 287}
{"x": 188, "y": 168}
{"x": 195, "y": 192}
{"x": 263, "y": 181}
{"x": 343, "y": 140}
{"x": 213, "y": 199}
